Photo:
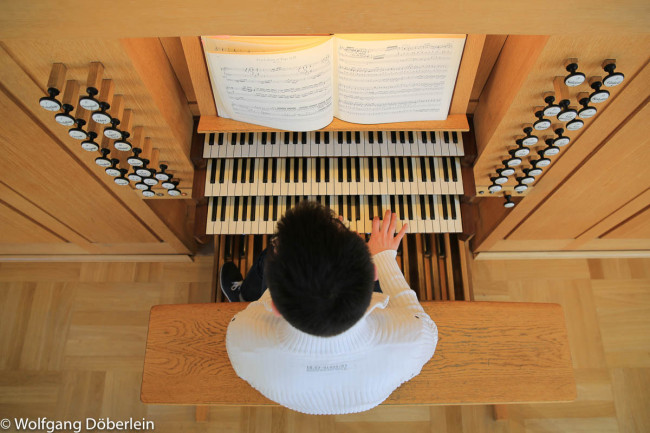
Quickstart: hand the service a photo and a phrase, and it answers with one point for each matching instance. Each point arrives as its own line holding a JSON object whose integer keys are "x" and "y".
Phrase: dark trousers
{"x": 254, "y": 284}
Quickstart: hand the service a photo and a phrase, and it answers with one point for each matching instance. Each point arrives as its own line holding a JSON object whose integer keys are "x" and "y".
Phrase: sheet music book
{"x": 300, "y": 83}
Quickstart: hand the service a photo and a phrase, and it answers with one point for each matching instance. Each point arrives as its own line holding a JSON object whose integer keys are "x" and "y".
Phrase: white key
{"x": 209, "y": 224}
{"x": 209, "y": 185}
{"x": 207, "y": 148}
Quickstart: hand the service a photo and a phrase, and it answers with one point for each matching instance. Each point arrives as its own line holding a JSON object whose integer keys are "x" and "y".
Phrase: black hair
{"x": 320, "y": 274}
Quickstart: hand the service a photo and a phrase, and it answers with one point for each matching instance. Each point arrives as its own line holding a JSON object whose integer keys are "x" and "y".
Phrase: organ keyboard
{"x": 253, "y": 178}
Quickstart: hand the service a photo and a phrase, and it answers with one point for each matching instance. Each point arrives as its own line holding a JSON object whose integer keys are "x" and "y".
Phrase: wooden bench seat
{"x": 488, "y": 353}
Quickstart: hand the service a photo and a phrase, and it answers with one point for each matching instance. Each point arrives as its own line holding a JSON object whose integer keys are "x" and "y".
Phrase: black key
{"x": 371, "y": 205}
{"x": 393, "y": 137}
{"x": 348, "y": 137}
{"x": 423, "y": 208}
{"x": 371, "y": 137}
{"x": 235, "y": 163}
{"x": 211, "y": 139}
{"x": 349, "y": 173}
{"x": 357, "y": 206}
{"x": 295, "y": 137}
{"x": 400, "y": 200}
{"x": 445, "y": 169}
{"x": 317, "y": 137}
{"x": 327, "y": 137}
{"x": 251, "y": 178}
{"x": 433, "y": 137}
{"x": 409, "y": 168}
{"x": 222, "y": 170}
{"x": 393, "y": 208}
{"x": 253, "y": 204}
{"x": 424, "y": 137}
{"x": 304, "y": 170}
{"x": 318, "y": 170}
{"x": 410, "y": 135}
{"x": 275, "y": 208}
{"x": 223, "y": 208}
{"x": 340, "y": 205}
{"x": 273, "y": 137}
{"x": 409, "y": 207}
{"x": 357, "y": 137}
{"x": 251, "y": 138}
{"x": 296, "y": 169}
{"x": 234, "y": 139}
{"x": 220, "y": 139}
{"x": 440, "y": 245}
{"x": 371, "y": 171}
{"x": 236, "y": 208}
{"x": 432, "y": 170}
{"x": 445, "y": 212}
{"x": 340, "y": 163}
{"x": 242, "y": 138}
{"x": 244, "y": 163}
{"x": 401, "y": 169}
{"x": 380, "y": 137}
{"x": 427, "y": 245}
{"x": 380, "y": 210}
{"x": 432, "y": 207}
{"x": 454, "y": 173}
{"x": 274, "y": 171}
{"x": 452, "y": 205}
{"x": 264, "y": 138}
{"x": 327, "y": 170}
{"x": 265, "y": 173}
{"x": 357, "y": 163}
{"x": 287, "y": 170}
{"x": 244, "y": 216}
{"x": 446, "y": 136}
{"x": 349, "y": 213}
{"x": 393, "y": 177}
{"x": 214, "y": 208}
{"x": 266, "y": 207}
{"x": 340, "y": 136}
{"x": 423, "y": 169}
{"x": 454, "y": 137}
{"x": 213, "y": 170}
{"x": 328, "y": 202}
{"x": 304, "y": 138}
{"x": 401, "y": 137}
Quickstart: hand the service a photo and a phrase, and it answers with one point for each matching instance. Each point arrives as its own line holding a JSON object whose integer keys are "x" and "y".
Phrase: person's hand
{"x": 383, "y": 235}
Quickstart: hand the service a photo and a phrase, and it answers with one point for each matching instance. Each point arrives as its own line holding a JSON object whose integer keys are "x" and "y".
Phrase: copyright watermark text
{"x": 76, "y": 426}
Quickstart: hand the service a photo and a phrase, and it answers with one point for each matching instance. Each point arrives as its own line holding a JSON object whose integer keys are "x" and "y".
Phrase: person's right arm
{"x": 383, "y": 246}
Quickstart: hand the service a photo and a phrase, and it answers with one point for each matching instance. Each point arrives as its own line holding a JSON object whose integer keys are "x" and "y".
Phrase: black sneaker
{"x": 230, "y": 280}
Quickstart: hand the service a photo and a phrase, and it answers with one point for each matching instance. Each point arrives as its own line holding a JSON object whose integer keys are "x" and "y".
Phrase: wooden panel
{"x": 637, "y": 227}
{"x": 174, "y": 50}
{"x": 520, "y": 79}
{"x": 487, "y": 353}
{"x": 198, "y": 70}
{"x": 54, "y": 144}
{"x": 467, "y": 73}
{"x": 454, "y": 122}
{"x": 147, "y": 82}
{"x": 491, "y": 50}
{"x": 44, "y": 172}
{"x": 19, "y": 228}
{"x": 614, "y": 175}
{"x": 151, "y": 18}
{"x": 626, "y": 98}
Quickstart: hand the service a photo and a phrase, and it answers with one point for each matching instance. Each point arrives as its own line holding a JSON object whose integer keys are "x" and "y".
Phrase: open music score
{"x": 301, "y": 84}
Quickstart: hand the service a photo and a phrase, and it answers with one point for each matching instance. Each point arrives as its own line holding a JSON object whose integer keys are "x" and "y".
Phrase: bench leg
{"x": 500, "y": 411}
{"x": 201, "y": 414}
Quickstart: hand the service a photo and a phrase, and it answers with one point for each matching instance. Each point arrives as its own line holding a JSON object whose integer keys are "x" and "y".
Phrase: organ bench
{"x": 487, "y": 353}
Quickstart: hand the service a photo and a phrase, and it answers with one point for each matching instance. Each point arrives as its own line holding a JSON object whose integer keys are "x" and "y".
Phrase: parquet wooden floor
{"x": 72, "y": 339}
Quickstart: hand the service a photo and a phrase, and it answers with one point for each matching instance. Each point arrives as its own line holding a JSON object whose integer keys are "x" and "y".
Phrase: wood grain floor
{"x": 72, "y": 339}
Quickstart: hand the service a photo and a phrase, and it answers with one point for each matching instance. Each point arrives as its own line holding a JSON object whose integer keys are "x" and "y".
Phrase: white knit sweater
{"x": 351, "y": 372}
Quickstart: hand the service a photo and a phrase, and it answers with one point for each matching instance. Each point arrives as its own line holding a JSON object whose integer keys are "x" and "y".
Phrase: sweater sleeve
{"x": 393, "y": 283}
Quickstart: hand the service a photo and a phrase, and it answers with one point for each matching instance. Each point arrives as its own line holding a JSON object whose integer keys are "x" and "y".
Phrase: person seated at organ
{"x": 326, "y": 338}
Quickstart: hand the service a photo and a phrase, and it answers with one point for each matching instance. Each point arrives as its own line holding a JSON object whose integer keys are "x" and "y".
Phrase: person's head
{"x": 320, "y": 274}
